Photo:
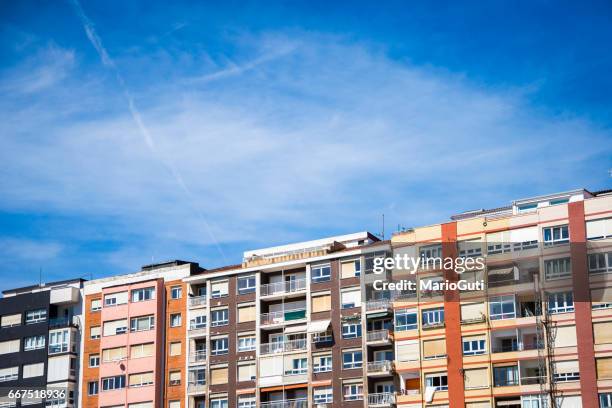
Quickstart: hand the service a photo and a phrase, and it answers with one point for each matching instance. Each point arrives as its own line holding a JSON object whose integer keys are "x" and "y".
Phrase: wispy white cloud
{"x": 28, "y": 250}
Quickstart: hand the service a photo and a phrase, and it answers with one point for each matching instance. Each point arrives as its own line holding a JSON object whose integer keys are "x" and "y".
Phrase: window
{"x": 94, "y": 360}
{"x": 350, "y": 298}
{"x": 10, "y": 346}
{"x": 298, "y": 366}
{"x": 557, "y": 268}
{"x": 219, "y": 346}
{"x": 320, "y": 273}
{"x": 9, "y": 374}
{"x": 141, "y": 379}
{"x": 142, "y": 323}
{"x": 174, "y": 378}
{"x": 113, "y": 383}
{"x": 247, "y": 342}
{"x": 36, "y": 316}
{"x": 96, "y": 305}
{"x": 219, "y": 289}
{"x": 351, "y": 330}
{"x": 352, "y": 359}
{"x": 198, "y": 322}
{"x": 502, "y": 307}
{"x": 175, "y": 320}
{"x": 322, "y": 363}
{"x": 58, "y": 341}
{"x": 472, "y": 347}
{"x": 505, "y": 376}
{"x": 175, "y": 348}
{"x": 540, "y": 401}
{"x": 218, "y": 375}
{"x": 142, "y": 294}
{"x": 148, "y": 404}
{"x": 566, "y": 371}
{"x": 33, "y": 370}
{"x": 92, "y": 388}
{"x": 114, "y": 327}
{"x": 34, "y": 342}
{"x": 405, "y": 319}
{"x": 323, "y": 395}
{"x": 197, "y": 376}
{"x": 561, "y": 302}
{"x": 352, "y": 391}
{"x": 600, "y": 263}
{"x": 246, "y": 284}
{"x": 176, "y": 292}
{"x": 433, "y": 317}
{"x": 219, "y": 317}
{"x": 246, "y": 313}
{"x": 114, "y": 354}
{"x": 247, "y": 401}
{"x": 247, "y": 372}
{"x": 434, "y": 349}
{"x": 438, "y": 381}
{"x": 604, "y": 368}
{"x": 350, "y": 269}
{"x": 94, "y": 332}
{"x": 556, "y": 235}
{"x": 114, "y": 299}
{"x": 431, "y": 251}
{"x": 141, "y": 350}
{"x": 599, "y": 229}
{"x": 605, "y": 400}
{"x": 321, "y": 302}
{"x": 218, "y": 403}
{"x": 11, "y": 320}
{"x": 476, "y": 378}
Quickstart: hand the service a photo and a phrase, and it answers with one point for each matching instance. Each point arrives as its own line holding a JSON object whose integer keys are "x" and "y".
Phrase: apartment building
{"x": 40, "y": 332}
{"x": 133, "y": 352}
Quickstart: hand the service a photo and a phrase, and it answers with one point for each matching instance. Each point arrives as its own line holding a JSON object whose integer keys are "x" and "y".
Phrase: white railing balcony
{"x": 383, "y": 366}
{"x": 378, "y": 336}
{"x": 282, "y": 316}
{"x": 380, "y": 304}
{"x": 197, "y": 301}
{"x": 382, "y": 399}
{"x": 196, "y": 387}
{"x": 293, "y": 403}
{"x": 278, "y": 288}
{"x": 284, "y": 347}
{"x": 198, "y": 356}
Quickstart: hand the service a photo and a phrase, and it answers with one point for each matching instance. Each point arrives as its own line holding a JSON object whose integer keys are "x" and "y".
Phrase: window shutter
{"x": 175, "y": 348}
{"x": 602, "y": 332}
{"x": 472, "y": 311}
{"x": 218, "y": 376}
{"x": 604, "y": 367}
{"x": 148, "y": 404}
{"x": 565, "y": 336}
{"x": 347, "y": 269}
{"x": 33, "y": 370}
{"x": 246, "y": 314}
{"x": 321, "y": 303}
{"x": 433, "y": 348}
{"x": 524, "y": 235}
{"x": 94, "y": 331}
{"x": 221, "y": 287}
{"x": 562, "y": 367}
{"x": 175, "y": 376}
{"x": 11, "y": 320}
{"x": 408, "y": 350}
{"x": 482, "y": 404}
{"x": 476, "y": 378}
{"x": 271, "y": 366}
{"x": 10, "y": 346}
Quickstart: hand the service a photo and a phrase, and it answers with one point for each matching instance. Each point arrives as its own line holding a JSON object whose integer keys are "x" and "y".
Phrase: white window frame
{"x": 219, "y": 322}
{"x": 600, "y": 262}
{"x": 502, "y": 301}
{"x": 35, "y": 316}
{"x": 354, "y": 363}
{"x": 320, "y": 273}
{"x": 475, "y": 347}
{"x": 432, "y": 317}
{"x": 353, "y": 330}
{"x": 322, "y": 363}
{"x": 247, "y": 342}
{"x": 403, "y": 314}
{"x": 249, "y": 288}
{"x": 352, "y": 392}
{"x": 39, "y": 342}
{"x": 563, "y": 302}
{"x": 219, "y": 351}
{"x": 174, "y": 321}
{"x": 549, "y": 232}
{"x": 557, "y": 268}
{"x": 323, "y": 395}
{"x": 436, "y": 380}
{"x": 143, "y": 294}
{"x": 176, "y": 292}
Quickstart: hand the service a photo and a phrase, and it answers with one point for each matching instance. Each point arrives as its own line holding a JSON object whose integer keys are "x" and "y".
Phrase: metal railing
{"x": 198, "y": 356}
{"x": 284, "y": 347}
{"x": 381, "y": 399}
{"x": 379, "y": 366}
{"x": 378, "y": 304}
{"x": 277, "y": 288}
{"x": 378, "y": 335}
{"x": 197, "y": 301}
{"x": 62, "y": 322}
{"x": 533, "y": 380}
{"x": 293, "y": 403}
{"x": 199, "y": 386}
{"x": 282, "y": 316}
{"x": 516, "y": 347}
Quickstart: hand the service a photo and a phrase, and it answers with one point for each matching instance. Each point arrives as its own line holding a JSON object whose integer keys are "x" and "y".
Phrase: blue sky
{"x": 133, "y": 132}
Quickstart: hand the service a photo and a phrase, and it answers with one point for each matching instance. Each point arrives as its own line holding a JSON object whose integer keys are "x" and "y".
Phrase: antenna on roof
{"x": 39, "y": 276}
{"x": 383, "y": 226}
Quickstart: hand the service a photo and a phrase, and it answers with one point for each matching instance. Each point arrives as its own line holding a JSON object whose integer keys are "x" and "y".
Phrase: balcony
{"x": 59, "y": 322}
{"x": 373, "y": 306}
{"x": 533, "y": 380}
{"x": 379, "y": 368}
{"x": 282, "y": 316}
{"x": 284, "y": 347}
{"x": 293, "y": 403}
{"x": 378, "y": 337}
{"x": 198, "y": 357}
{"x": 198, "y": 387}
{"x": 383, "y": 399}
{"x": 197, "y": 329}
{"x": 197, "y": 301}
{"x": 280, "y": 288}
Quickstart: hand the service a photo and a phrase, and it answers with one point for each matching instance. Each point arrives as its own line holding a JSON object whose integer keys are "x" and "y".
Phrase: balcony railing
{"x": 533, "y": 380}
{"x": 197, "y": 301}
{"x": 378, "y": 304}
{"x": 283, "y": 316}
{"x": 379, "y": 366}
{"x": 196, "y": 386}
{"x": 278, "y": 288}
{"x": 57, "y": 322}
{"x": 293, "y": 403}
{"x": 382, "y": 399}
{"x": 516, "y": 347}
{"x": 378, "y": 335}
{"x": 284, "y": 347}
{"x": 198, "y": 357}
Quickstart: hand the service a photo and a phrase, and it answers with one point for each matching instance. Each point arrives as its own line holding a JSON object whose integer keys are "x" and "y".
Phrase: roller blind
{"x": 566, "y": 367}
{"x": 476, "y": 378}
{"x": 483, "y": 404}
{"x": 602, "y": 331}
{"x": 175, "y": 376}
{"x": 598, "y": 229}
{"x": 141, "y": 379}
{"x": 601, "y": 295}
{"x": 570, "y": 401}
{"x": 33, "y": 370}
{"x": 94, "y": 331}
{"x": 271, "y": 366}
{"x": 148, "y": 404}
{"x": 113, "y": 354}
{"x": 175, "y": 348}
{"x": 347, "y": 269}
{"x": 524, "y": 234}
{"x": 110, "y": 328}
{"x": 472, "y": 311}
{"x": 11, "y": 320}
{"x": 11, "y": 346}
{"x": 221, "y": 287}
{"x": 432, "y": 348}
{"x": 408, "y": 350}
{"x": 321, "y": 303}
{"x": 351, "y": 297}
{"x": 141, "y": 350}
{"x": 96, "y": 304}
{"x": 565, "y": 336}
{"x": 120, "y": 298}
{"x": 247, "y": 372}
{"x": 218, "y": 376}
{"x": 174, "y": 404}
{"x": 604, "y": 367}
{"x": 246, "y": 314}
